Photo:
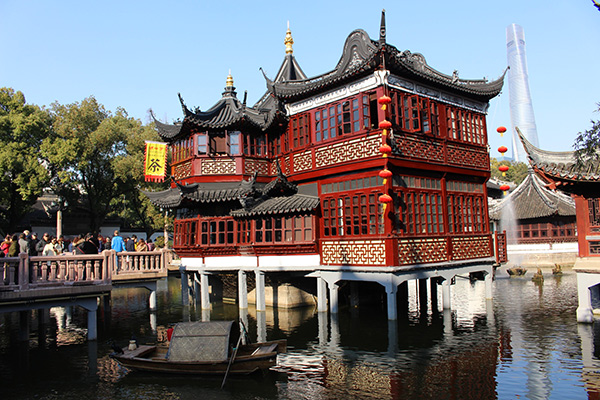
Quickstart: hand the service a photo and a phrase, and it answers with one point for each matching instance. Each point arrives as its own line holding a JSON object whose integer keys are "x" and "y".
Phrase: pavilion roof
{"x": 561, "y": 164}
{"x": 362, "y": 56}
{"x": 532, "y": 199}
{"x": 296, "y": 203}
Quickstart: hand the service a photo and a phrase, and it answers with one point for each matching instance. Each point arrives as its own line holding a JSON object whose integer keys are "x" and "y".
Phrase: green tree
{"x": 134, "y": 207}
{"x": 96, "y": 160}
{"x": 517, "y": 171}
{"x": 587, "y": 143}
{"x": 22, "y": 175}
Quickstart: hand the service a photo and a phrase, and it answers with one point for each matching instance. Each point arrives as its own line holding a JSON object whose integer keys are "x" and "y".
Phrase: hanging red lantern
{"x": 385, "y": 124}
{"x": 385, "y": 174}
{"x": 502, "y": 149}
{"x": 385, "y": 149}
{"x": 503, "y": 169}
{"x": 501, "y": 130}
{"x": 385, "y": 198}
{"x": 384, "y": 101}
{"x": 504, "y": 188}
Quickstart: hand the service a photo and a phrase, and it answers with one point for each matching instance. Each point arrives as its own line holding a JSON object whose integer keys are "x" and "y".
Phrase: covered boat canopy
{"x": 202, "y": 341}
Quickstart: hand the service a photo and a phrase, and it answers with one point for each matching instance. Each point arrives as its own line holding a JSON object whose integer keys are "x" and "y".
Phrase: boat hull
{"x": 153, "y": 359}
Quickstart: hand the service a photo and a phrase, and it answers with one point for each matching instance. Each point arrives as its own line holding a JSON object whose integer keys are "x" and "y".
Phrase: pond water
{"x": 524, "y": 344}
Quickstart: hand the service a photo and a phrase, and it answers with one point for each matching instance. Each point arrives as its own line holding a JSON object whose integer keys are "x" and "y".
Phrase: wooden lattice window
{"x": 466, "y": 213}
{"x": 342, "y": 118}
{"x": 354, "y": 214}
{"x": 465, "y": 126}
{"x": 299, "y": 129}
{"x": 594, "y": 214}
{"x": 420, "y": 204}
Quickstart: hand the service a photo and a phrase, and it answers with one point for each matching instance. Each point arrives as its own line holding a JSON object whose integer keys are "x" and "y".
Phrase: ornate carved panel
{"x": 413, "y": 147}
{"x": 183, "y": 170}
{"x": 462, "y": 155}
{"x": 471, "y": 247}
{"x": 303, "y": 161}
{"x": 353, "y": 252}
{"x": 350, "y": 150}
{"x": 251, "y": 166}
{"x": 414, "y": 251}
{"x": 215, "y": 167}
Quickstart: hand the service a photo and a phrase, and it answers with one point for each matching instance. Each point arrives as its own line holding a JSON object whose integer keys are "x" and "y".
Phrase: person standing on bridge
{"x": 117, "y": 244}
{"x": 23, "y": 244}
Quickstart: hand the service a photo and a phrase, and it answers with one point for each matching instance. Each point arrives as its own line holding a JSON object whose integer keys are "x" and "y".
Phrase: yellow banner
{"x": 155, "y": 165}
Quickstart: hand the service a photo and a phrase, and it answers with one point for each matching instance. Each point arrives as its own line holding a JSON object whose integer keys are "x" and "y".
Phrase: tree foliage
{"x": 22, "y": 176}
{"x": 96, "y": 160}
{"x": 587, "y": 143}
{"x": 517, "y": 171}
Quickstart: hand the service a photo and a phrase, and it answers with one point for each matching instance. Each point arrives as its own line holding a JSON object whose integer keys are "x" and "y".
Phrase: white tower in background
{"x": 521, "y": 108}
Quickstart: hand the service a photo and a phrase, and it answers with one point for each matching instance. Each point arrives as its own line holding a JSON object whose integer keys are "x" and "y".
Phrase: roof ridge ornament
{"x": 289, "y": 41}
{"x": 229, "y": 81}
{"x": 382, "y": 29}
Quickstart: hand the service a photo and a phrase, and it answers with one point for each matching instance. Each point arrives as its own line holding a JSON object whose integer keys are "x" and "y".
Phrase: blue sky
{"x": 139, "y": 55}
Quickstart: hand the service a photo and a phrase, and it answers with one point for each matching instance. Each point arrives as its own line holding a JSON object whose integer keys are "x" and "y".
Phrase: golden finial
{"x": 288, "y": 40}
{"x": 229, "y": 82}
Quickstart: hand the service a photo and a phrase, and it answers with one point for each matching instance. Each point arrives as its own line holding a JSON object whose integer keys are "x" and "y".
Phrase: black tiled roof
{"x": 296, "y": 203}
{"x": 562, "y": 164}
{"x": 531, "y": 199}
{"x": 362, "y": 56}
{"x": 169, "y": 198}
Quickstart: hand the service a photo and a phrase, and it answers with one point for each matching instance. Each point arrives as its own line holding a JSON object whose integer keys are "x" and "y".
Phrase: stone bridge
{"x": 28, "y": 283}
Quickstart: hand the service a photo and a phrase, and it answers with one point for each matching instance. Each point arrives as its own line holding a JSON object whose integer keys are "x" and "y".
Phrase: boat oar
{"x": 231, "y": 360}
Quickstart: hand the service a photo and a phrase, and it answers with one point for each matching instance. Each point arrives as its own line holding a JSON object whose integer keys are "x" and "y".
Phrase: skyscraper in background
{"x": 521, "y": 107}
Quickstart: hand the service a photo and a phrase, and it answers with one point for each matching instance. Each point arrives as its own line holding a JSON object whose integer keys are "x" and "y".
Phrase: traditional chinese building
{"x": 560, "y": 170}
{"x": 539, "y": 223}
{"x": 374, "y": 171}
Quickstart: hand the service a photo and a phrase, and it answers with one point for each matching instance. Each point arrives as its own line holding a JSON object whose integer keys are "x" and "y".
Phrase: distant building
{"x": 539, "y": 222}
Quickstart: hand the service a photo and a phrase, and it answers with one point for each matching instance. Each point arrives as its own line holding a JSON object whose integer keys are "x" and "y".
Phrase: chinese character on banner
{"x": 155, "y": 165}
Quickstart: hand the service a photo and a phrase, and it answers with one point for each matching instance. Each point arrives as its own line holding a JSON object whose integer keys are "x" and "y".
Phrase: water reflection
{"x": 526, "y": 343}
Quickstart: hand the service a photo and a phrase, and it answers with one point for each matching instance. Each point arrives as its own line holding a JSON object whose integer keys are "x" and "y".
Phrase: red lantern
{"x": 385, "y": 173}
{"x": 384, "y": 101}
{"x": 504, "y": 188}
{"x": 385, "y": 198}
{"x": 385, "y": 149}
{"x": 503, "y": 169}
{"x": 502, "y": 149}
{"x": 385, "y": 124}
{"x": 501, "y": 130}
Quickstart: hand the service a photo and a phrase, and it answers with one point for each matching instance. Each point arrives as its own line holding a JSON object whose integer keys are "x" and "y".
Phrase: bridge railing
{"x": 130, "y": 264}
{"x": 24, "y": 272}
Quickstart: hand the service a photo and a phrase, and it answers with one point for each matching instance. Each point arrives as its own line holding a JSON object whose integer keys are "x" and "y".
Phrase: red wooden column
{"x": 583, "y": 224}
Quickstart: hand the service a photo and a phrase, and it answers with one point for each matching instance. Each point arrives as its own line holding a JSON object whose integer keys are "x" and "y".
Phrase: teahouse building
{"x": 560, "y": 170}
{"x": 374, "y": 171}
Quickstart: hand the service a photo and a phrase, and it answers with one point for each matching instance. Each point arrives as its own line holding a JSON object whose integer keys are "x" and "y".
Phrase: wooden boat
{"x": 203, "y": 348}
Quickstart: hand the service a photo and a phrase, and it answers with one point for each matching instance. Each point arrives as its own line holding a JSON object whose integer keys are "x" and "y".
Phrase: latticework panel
{"x": 183, "y": 170}
{"x": 303, "y": 161}
{"x": 284, "y": 165}
{"x": 419, "y": 148}
{"x": 353, "y": 252}
{"x": 347, "y": 151}
{"x": 216, "y": 167}
{"x": 471, "y": 247}
{"x": 414, "y": 251}
{"x": 459, "y": 155}
{"x": 251, "y": 166}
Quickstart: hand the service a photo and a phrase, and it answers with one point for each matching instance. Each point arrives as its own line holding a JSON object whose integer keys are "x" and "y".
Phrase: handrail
{"x": 31, "y": 272}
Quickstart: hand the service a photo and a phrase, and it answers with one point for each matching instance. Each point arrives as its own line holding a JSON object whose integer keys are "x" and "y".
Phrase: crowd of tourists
{"x": 48, "y": 245}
